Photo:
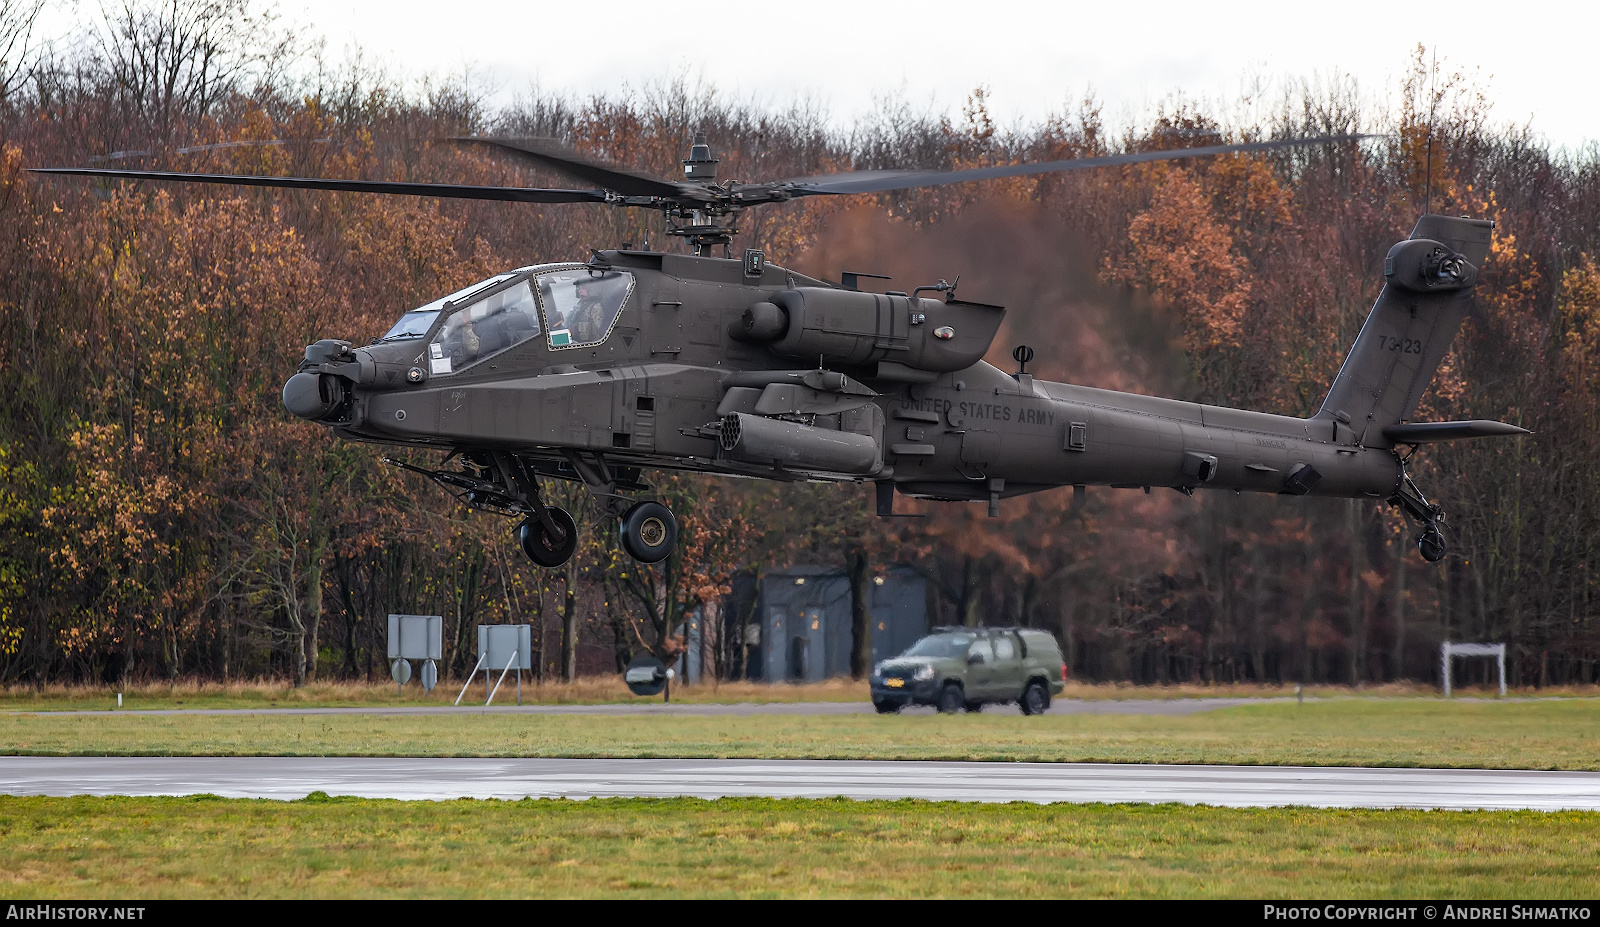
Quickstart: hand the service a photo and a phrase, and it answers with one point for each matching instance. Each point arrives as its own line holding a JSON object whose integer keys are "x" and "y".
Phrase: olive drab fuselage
{"x": 657, "y": 391}
{"x": 746, "y": 368}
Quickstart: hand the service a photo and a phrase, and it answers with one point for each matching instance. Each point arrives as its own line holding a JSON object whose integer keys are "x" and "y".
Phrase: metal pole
{"x": 500, "y": 680}
{"x": 519, "y": 683}
{"x": 1444, "y": 661}
{"x": 472, "y": 674}
{"x": 1500, "y": 661}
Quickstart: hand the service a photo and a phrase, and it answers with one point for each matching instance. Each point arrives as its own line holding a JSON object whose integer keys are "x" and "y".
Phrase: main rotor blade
{"x": 881, "y": 181}
{"x": 551, "y": 154}
{"x": 443, "y": 190}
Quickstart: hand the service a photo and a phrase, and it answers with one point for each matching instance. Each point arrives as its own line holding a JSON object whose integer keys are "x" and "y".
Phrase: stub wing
{"x": 1430, "y": 432}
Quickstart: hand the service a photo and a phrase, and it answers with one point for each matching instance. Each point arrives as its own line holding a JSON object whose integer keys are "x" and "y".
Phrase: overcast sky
{"x": 1536, "y": 58}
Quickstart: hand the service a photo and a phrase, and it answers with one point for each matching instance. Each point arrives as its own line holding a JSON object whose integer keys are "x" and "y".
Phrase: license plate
{"x": 894, "y": 683}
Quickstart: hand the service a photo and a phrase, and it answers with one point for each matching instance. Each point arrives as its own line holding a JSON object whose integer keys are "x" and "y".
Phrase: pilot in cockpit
{"x": 471, "y": 343}
{"x": 589, "y": 316}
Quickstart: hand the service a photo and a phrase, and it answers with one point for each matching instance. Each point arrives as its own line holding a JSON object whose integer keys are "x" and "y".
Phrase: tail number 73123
{"x": 1402, "y": 345}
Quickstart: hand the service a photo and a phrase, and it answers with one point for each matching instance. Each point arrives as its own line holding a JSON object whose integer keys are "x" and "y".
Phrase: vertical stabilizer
{"x": 1428, "y": 284}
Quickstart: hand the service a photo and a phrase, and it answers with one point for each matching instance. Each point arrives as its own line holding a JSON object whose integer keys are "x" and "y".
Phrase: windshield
{"x": 480, "y": 328}
{"x": 581, "y": 305}
{"x": 941, "y": 645}
{"x": 415, "y": 324}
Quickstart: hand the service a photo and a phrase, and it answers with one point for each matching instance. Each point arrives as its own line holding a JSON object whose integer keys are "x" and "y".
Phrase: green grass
{"x": 1558, "y": 734}
{"x": 123, "y": 848}
{"x": 590, "y": 690}
{"x": 594, "y": 690}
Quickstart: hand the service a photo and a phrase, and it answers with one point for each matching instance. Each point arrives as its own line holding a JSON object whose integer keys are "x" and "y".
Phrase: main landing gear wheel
{"x": 1432, "y": 545}
{"x": 543, "y": 549}
{"x": 649, "y": 532}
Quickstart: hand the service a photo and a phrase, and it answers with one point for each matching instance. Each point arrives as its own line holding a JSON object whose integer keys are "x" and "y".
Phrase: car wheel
{"x": 886, "y": 708}
{"x": 1035, "y": 698}
{"x": 950, "y": 700}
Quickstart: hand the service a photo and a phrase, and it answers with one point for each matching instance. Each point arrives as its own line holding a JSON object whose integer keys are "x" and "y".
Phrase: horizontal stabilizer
{"x": 1429, "y": 432}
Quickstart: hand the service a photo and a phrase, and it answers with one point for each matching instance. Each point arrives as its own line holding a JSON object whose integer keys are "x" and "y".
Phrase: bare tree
{"x": 171, "y": 59}
{"x": 17, "y": 18}
{"x": 283, "y": 576}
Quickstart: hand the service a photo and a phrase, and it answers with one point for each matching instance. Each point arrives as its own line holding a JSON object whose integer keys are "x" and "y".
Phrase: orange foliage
{"x": 160, "y": 512}
{"x": 1180, "y": 252}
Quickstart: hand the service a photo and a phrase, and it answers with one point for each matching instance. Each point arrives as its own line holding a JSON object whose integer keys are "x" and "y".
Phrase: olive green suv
{"x": 967, "y": 668}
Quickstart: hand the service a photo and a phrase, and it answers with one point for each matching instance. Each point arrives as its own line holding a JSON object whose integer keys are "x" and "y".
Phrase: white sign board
{"x": 416, "y": 637}
{"x": 501, "y": 641}
{"x": 1447, "y": 650}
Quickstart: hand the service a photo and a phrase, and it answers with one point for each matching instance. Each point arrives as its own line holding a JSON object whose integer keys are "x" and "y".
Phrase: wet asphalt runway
{"x": 437, "y": 779}
{"x": 1186, "y": 706}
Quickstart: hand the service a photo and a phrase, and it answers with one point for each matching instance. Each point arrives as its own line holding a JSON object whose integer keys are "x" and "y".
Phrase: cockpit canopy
{"x": 582, "y": 304}
{"x": 575, "y": 306}
{"x": 415, "y": 324}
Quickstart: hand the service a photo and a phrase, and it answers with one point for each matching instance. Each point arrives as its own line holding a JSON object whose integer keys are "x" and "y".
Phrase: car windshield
{"x": 941, "y": 645}
{"x": 416, "y": 323}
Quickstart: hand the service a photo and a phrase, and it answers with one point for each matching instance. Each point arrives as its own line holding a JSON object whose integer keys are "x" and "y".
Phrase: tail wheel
{"x": 541, "y": 548}
{"x": 950, "y": 699}
{"x": 1035, "y": 698}
{"x": 649, "y": 532}
{"x": 1432, "y": 545}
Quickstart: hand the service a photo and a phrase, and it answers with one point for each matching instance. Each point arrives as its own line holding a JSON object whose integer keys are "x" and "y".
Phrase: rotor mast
{"x": 706, "y": 224}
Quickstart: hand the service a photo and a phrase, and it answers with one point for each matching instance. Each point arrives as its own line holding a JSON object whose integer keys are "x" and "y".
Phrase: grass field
{"x": 208, "y": 847}
{"x": 1555, "y": 734}
{"x": 590, "y": 690}
{"x": 595, "y": 690}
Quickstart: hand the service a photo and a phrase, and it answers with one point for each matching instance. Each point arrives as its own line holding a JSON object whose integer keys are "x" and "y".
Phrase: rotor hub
{"x": 700, "y": 165}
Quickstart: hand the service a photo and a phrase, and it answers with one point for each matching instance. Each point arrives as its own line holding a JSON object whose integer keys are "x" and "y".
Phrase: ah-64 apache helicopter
{"x": 595, "y": 370}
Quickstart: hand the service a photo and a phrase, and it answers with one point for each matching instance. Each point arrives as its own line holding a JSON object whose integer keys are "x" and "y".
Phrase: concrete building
{"x": 800, "y": 623}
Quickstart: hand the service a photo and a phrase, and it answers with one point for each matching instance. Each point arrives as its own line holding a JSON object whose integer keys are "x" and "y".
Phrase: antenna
{"x": 1433, "y": 104}
{"x": 1022, "y": 355}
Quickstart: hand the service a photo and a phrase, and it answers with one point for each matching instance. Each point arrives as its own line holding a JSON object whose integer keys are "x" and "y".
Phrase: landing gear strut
{"x": 648, "y": 530}
{"x": 503, "y": 483}
{"x": 508, "y": 484}
{"x": 1428, "y": 516}
{"x": 549, "y": 536}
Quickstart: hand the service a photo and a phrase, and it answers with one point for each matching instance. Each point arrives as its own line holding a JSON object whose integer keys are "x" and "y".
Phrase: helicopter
{"x": 597, "y": 370}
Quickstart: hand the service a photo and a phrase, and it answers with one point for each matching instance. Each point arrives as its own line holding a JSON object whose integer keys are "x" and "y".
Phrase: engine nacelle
{"x": 858, "y": 329}
{"x": 762, "y": 323}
